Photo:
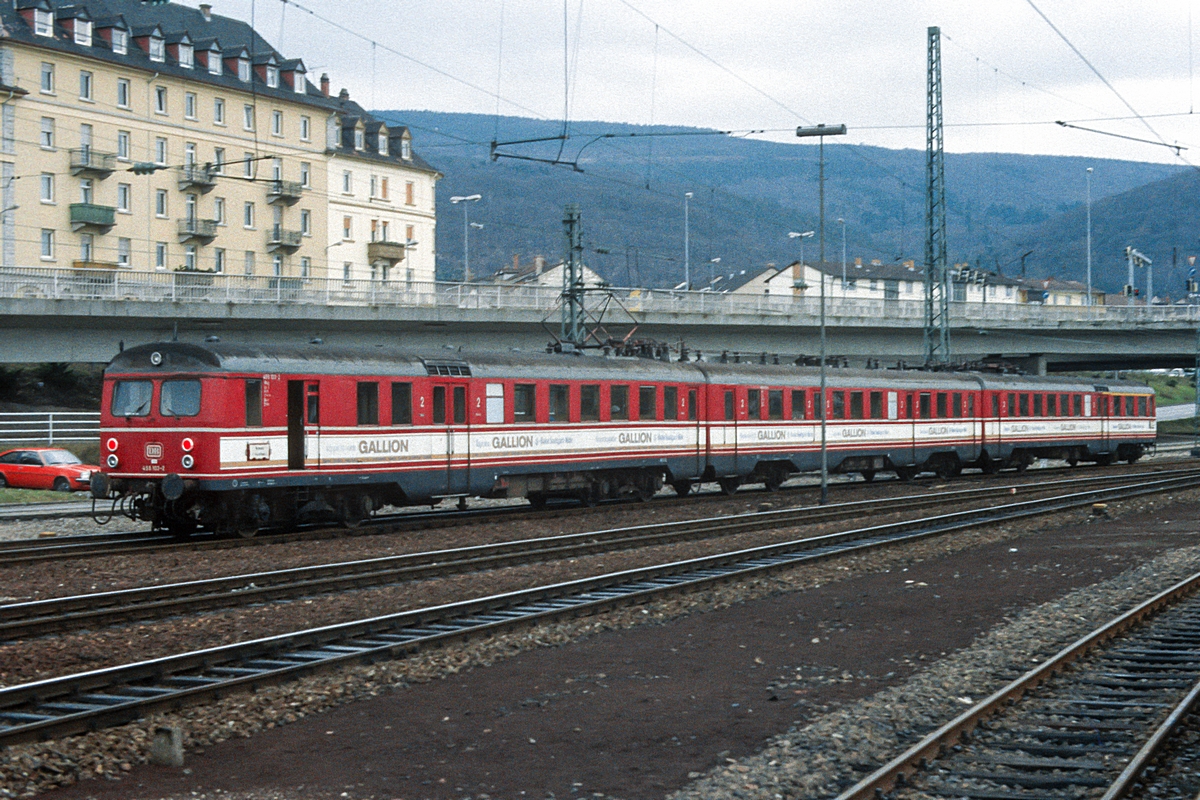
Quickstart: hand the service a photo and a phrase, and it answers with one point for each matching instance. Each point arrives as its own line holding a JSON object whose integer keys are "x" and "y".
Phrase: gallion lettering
{"x": 377, "y": 446}
{"x": 766, "y": 436}
{"x": 641, "y": 437}
{"x": 501, "y": 442}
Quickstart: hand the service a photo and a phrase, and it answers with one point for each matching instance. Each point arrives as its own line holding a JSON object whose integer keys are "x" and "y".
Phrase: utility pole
{"x": 573, "y": 291}
{"x": 937, "y": 309}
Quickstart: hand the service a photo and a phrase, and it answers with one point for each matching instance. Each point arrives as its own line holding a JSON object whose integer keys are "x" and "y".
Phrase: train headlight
{"x": 187, "y": 444}
{"x": 111, "y": 444}
{"x": 188, "y": 462}
{"x": 112, "y": 461}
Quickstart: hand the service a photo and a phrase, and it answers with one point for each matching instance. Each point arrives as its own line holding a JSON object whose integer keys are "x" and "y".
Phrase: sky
{"x": 771, "y": 65}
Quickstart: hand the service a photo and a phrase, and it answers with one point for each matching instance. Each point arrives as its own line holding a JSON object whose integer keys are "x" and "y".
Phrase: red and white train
{"x": 236, "y": 438}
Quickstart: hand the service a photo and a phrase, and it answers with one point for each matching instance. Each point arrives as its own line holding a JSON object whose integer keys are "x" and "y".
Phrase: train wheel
{"x": 682, "y": 488}
{"x": 353, "y": 509}
{"x": 868, "y": 475}
{"x": 537, "y": 501}
{"x": 774, "y": 479}
{"x": 588, "y": 498}
{"x": 181, "y": 530}
{"x": 729, "y": 485}
{"x": 1073, "y": 458}
{"x": 1104, "y": 460}
{"x": 644, "y": 493}
{"x": 987, "y": 465}
{"x": 906, "y": 474}
{"x": 246, "y": 528}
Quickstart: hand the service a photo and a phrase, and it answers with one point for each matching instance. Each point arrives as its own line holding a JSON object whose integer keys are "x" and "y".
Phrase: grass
{"x": 10, "y": 496}
{"x": 1169, "y": 391}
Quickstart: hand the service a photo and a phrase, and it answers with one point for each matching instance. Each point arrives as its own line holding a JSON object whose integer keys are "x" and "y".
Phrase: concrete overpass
{"x": 86, "y": 315}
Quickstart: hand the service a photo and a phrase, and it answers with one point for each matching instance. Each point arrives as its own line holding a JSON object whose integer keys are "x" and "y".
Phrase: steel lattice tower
{"x": 937, "y": 316}
{"x": 573, "y": 321}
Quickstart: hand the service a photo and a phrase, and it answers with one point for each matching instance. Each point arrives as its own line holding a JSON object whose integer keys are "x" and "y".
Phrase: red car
{"x": 44, "y": 468}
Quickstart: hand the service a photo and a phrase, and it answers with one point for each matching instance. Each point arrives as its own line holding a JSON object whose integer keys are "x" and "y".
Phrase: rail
{"x": 28, "y": 427}
{"x": 125, "y": 285}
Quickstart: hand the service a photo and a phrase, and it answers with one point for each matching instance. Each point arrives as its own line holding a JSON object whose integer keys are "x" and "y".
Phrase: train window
{"x": 179, "y": 398}
{"x": 131, "y": 398}
{"x": 729, "y": 414}
{"x": 1077, "y": 405}
{"x": 589, "y": 402}
{"x": 820, "y": 405}
{"x": 460, "y": 404}
{"x": 1037, "y": 405}
{"x": 693, "y": 411}
{"x": 495, "y": 403}
{"x": 956, "y": 404}
{"x": 254, "y": 403}
{"x": 523, "y": 402}
{"x": 670, "y": 402}
{"x": 439, "y": 405}
{"x": 839, "y": 405}
{"x": 368, "y": 403}
{"x": 775, "y": 404}
{"x": 560, "y": 407}
{"x": 314, "y": 403}
{"x": 798, "y": 403}
{"x": 618, "y": 402}
{"x": 402, "y": 404}
{"x": 1023, "y": 399}
{"x": 753, "y": 404}
{"x": 856, "y": 405}
{"x": 925, "y": 405}
{"x": 995, "y": 405}
{"x": 1051, "y": 405}
{"x": 1150, "y": 412}
{"x": 1141, "y": 407}
{"x": 1012, "y": 404}
{"x": 971, "y": 406}
{"x": 647, "y": 405}
{"x": 941, "y": 405}
{"x": 876, "y": 405}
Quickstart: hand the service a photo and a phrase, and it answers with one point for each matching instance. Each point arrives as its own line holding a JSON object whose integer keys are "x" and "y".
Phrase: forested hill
{"x": 749, "y": 193}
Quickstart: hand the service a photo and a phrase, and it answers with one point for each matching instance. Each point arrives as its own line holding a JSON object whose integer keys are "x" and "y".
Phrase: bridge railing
{"x": 29, "y": 427}
{"x": 204, "y": 287}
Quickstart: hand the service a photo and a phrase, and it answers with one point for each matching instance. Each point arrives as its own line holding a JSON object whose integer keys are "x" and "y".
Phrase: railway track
{"x": 85, "y": 701}
{"x": 57, "y": 615}
{"x": 24, "y": 551}
{"x": 1087, "y": 722}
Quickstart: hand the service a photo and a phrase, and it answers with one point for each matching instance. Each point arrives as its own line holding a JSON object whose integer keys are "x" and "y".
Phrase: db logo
{"x": 154, "y": 450}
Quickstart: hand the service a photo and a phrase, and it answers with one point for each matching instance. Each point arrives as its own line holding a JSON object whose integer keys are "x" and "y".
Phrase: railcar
{"x": 235, "y": 438}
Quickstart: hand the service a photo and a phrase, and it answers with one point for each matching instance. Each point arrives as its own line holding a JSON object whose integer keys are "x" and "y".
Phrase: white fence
{"x": 156, "y": 287}
{"x": 28, "y": 427}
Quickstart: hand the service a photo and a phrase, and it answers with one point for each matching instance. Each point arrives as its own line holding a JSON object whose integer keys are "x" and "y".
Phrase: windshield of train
{"x": 131, "y": 398}
{"x": 179, "y": 399}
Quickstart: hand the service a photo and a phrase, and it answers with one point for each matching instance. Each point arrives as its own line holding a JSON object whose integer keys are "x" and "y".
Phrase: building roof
{"x": 1056, "y": 285}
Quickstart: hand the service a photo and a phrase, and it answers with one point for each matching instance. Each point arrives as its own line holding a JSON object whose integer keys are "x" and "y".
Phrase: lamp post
{"x": 821, "y": 131}
{"x": 842, "y": 222}
{"x": 820, "y": 404}
{"x": 464, "y": 199}
{"x": 712, "y": 262}
{"x": 1089, "y": 235}
{"x": 687, "y": 271}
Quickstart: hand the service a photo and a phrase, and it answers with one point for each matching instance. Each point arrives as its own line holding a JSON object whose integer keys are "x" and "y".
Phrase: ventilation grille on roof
{"x": 448, "y": 368}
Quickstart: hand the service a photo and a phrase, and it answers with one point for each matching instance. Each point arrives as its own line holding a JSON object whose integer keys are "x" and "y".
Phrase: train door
{"x": 304, "y": 428}
{"x": 450, "y": 410}
{"x": 694, "y": 415}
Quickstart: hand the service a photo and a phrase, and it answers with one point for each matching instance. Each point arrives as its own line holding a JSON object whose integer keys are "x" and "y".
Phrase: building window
{"x": 43, "y": 23}
{"x": 305, "y": 125}
{"x": 187, "y": 56}
{"x": 85, "y": 190}
{"x": 408, "y": 236}
{"x": 305, "y": 222}
{"x": 249, "y": 262}
{"x": 218, "y": 111}
{"x": 248, "y": 165}
{"x": 158, "y": 51}
{"x": 85, "y": 85}
{"x": 120, "y": 41}
{"x": 383, "y": 188}
{"x": 277, "y": 265}
{"x": 47, "y": 78}
{"x": 123, "y": 246}
{"x": 47, "y": 243}
{"x": 277, "y": 123}
{"x": 83, "y": 32}
{"x": 346, "y": 272}
{"x": 189, "y": 154}
{"x": 299, "y": 85}
{"x": 383, "y": 231}
{"x": 47, "y": 133}
{"x": 47, "y": 187}
{"x": 409, "y": 193}
{"x": 123, "y": 145}
{"x": 347, "y": 228}
{"x": 122, "y": 92}
{"x": 305, "y": 174}
{"x": 347, "y": 182}
{"x": 219, "y": 210}
{"x": 244, "y": 70}
{"x": 219, "y": 160}
{"x": 277, "y": 169}
{"x": 406, "y": 149}
{"x": 160, "y": 255}
{"x": 383, "y": 143}
{"x": 374, "y": 186}
{"x": 160, "y": 99}
{"x": 219, "y": 259}
{"x": 359, "y": 139}
{"x": 160, "y": 150}
{"x": 248, "y": 117}
{"x": 123, "y": 194}
{"x": 160, "y": 202}
{"x": 189, "y": 257}
{"x": 189, "y": 105}
{"x": 248, "y": 215}
{"x": 272, "y": 76}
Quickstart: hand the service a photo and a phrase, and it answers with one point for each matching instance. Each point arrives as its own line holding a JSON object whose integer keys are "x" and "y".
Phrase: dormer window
{"x": 43, "y": 22}
{"x": 214, "y": 63}
{"x": 83, "y": 32}
{"x": 158, "y": 48}
{"x": 272, "y": 76}
{"x": 298, "y": 83}
{"x": 244, "y": 70}
{"x": 120, "y": 41}
{"x": 383, "y": 148}
{"x": 187, "y": 56}
{"x": 359, "y": 139}
{"x": 406, "y": 149}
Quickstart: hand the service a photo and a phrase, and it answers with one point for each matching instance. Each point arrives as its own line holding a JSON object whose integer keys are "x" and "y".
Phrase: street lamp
{"x": 842, "y": 222}
{"x": 464, "y": 199}
{"x": 821, "y": 131}
{"x": 820, "y": 404}
{"x": 712, "y": 262}
{"x": 1089, "y": 235}
{"x": 801, "y": 237}
{"x": 687, "y": 272}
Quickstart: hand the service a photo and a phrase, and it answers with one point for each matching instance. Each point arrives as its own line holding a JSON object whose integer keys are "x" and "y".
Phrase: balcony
{"x": 286, "y": 192}
{"x": 280, "y": 240}
{"x": 201, "y": 231}
{"x": 92, "y": 163}
{"x": 92, "y": 218}
{"x": 392, "y": 252}
{"x": 195, "y": 176}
